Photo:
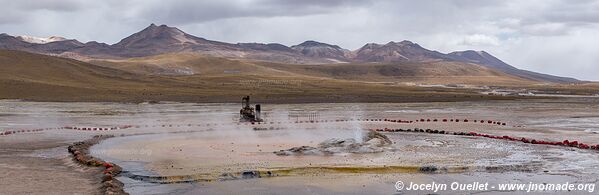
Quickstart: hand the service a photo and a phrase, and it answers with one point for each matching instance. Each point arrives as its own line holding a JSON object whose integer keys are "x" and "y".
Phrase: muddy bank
{"x": 80, "y": 152}
{"x": 42, "y": 165}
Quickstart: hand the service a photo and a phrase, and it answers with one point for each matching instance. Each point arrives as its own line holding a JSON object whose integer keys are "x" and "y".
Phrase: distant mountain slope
{"x": 397, "y": 52}
{"x": 435, "y": 72}
{"x": 179, "y": 64}
{"x": 38, "y": 40}
{"x": 161, "y": 39}
{"x": 158, "y": 40}
{"x": 322, "y": 50}
{"x": 486, "y": 59}
{"x": 439, "y": 72}
{"x": 38, "y": 77}
{"x": 265, "y": 47}
{"x": 14, "y": 43}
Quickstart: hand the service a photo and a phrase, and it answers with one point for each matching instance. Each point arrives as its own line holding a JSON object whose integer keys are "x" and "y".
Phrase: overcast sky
{"x": 559, "y": 37}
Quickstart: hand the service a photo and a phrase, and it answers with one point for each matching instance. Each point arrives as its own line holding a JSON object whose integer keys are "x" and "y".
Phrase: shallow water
{"x": 576, "y": 115}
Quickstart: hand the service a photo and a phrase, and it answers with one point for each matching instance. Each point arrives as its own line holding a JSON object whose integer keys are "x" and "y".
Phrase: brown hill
{"x": 156, "y": 40}
{"x": 486, "y": 59}
{"x": 404, "y": 51}
{"x": 26, "y": 75}
{"x": 178, "y": 64}
{"x": 323, "y": 50}
{"x": 435, "y": 72}
{"x": 46, "y": 78}
{"x": 440, "y": 72}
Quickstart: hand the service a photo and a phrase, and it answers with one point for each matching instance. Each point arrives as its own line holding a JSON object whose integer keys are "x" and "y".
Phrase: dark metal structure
{"x": 249, "y": 113}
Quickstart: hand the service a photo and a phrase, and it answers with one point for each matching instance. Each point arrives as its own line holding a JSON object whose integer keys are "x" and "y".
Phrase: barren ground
{"x": 38, "y": 162}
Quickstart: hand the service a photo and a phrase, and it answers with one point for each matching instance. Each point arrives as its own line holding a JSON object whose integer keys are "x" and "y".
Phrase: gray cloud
{"x": 63, "y": 5}
{"x": 550, "y": 36}
{"x": 191, "y": 11}
{"x": 25, "y": 6}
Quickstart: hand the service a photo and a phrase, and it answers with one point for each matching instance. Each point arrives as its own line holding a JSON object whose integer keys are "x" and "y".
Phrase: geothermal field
{"x": 324, "y": 148}
{"x": 282, "y": 97}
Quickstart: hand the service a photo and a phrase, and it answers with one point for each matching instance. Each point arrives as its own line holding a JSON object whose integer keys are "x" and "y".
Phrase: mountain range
{"x": 158, "y": 40}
